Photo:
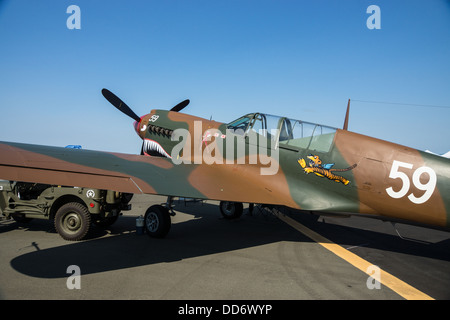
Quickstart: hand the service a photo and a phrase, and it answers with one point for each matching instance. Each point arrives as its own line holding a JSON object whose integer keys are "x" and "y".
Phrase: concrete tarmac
{"x": 204, "y": 256}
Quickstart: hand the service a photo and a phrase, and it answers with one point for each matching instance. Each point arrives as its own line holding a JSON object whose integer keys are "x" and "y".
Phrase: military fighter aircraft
{"x": 257, "y": 159}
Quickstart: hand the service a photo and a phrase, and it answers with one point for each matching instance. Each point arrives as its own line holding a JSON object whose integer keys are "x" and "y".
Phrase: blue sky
{"x": 302, "y": 59}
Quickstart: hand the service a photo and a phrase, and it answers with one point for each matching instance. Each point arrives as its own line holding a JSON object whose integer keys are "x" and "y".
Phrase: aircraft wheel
{"x": 157, "y": 221}
{"x": 72, "y": 221}
{"x": 231, "y": 210}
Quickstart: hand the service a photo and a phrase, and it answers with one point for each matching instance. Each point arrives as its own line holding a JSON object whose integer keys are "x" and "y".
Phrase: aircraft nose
{"x": 136, "y": 126}
{"x": 139, "y": 127}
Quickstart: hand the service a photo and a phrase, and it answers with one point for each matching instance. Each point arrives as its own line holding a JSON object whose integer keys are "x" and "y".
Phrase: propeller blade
{"x": 119, "y": 104}
{"x": 180, "y": 106}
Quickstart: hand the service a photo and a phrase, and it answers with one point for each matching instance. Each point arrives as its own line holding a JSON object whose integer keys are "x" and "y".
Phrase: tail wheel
{"x": 231, "y": 210}
{"x": 72, "y": 221}
{"x": 157, "y": 221}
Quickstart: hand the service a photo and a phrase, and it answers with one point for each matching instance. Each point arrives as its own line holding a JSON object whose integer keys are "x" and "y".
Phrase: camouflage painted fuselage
{"x": 339, "y": 171}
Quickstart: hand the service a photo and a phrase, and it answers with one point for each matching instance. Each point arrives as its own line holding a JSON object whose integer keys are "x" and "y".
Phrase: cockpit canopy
{"x": 285, "y": 132}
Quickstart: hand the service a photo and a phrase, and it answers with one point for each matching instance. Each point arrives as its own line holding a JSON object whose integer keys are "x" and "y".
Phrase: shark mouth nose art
{"x": 153, "y": 148}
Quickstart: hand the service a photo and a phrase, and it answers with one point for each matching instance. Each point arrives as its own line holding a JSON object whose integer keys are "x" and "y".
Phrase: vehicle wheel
{"x": 231, "y": 210}
{"x": 72, "y": 221}
{"x": 157, "y": 221}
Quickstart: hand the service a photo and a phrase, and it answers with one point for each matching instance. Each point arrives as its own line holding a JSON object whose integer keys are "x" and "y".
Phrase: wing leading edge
{"x": 140, "y": 174}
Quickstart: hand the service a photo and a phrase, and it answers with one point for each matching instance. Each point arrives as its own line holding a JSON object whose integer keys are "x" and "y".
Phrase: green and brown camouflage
{"x": 72, "y": 209}
{"x": 284, "y": 162}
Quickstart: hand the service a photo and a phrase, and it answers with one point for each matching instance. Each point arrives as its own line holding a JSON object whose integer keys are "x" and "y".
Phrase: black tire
{"x": 157, "y": 221}
{"x": 231, "y": 210}
{"x": 72, "y": 221}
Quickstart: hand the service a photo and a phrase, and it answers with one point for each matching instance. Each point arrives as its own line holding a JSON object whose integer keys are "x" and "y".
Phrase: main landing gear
{"x": 157, "y": 219}
{"x": 231, "y": 210}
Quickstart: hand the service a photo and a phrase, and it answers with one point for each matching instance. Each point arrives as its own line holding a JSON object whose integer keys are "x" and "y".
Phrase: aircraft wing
{"x": 140, "y": 174}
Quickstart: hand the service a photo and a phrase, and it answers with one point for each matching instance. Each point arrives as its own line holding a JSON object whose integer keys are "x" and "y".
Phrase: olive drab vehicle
{"x": 73, "y": 209}
{"x": 256, "y": 159}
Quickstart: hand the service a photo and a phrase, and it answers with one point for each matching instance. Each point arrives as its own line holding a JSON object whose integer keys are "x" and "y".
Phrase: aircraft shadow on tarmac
{"x": 207, "y": 234}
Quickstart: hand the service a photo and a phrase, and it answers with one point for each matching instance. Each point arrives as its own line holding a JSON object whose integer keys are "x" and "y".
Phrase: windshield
{"x": 240, "y": 123}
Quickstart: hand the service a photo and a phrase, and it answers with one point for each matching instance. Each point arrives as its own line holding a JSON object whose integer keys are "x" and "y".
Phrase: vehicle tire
{"x": 231, "y": 210}
{"x": 157, "y": 221}
{"x": 72, "y": 221}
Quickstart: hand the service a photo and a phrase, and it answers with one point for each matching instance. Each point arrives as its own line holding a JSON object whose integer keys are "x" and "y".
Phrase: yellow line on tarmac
{"x": 402, "y": 288}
